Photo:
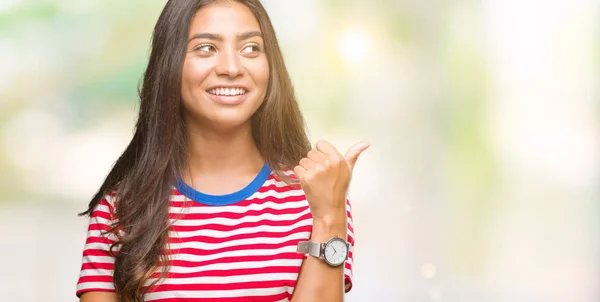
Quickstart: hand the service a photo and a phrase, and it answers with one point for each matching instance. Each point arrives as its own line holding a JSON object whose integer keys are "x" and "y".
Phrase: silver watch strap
{"x": 309, "y": 247}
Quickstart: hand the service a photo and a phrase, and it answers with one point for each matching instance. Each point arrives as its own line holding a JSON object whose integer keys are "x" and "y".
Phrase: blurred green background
{"x": 482, "y": 183}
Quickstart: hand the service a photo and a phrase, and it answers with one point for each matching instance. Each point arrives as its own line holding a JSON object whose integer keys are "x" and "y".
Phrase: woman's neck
{"x": 221, "y": 153}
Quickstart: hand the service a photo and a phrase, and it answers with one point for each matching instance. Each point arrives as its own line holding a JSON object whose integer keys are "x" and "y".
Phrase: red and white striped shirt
{"x": 235, "y": 247}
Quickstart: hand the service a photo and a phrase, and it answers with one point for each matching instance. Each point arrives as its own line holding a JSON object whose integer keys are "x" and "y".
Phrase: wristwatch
{"x": 334, "y": 251}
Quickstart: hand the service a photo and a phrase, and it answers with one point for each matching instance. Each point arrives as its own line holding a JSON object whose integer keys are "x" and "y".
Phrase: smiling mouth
{"x": 227, "y": 91}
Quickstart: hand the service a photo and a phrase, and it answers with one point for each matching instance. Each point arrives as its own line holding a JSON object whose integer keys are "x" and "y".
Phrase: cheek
{"x": 260, "y": 73}
{"x": 264, "y": 71}
{"x": 193, "y": 74}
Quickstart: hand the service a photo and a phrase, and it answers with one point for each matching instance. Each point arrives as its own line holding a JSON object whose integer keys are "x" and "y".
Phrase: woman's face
{"x": 225, "y": 72}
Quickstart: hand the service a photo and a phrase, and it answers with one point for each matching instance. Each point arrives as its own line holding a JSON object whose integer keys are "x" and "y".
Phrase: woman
{"x": 218, "y": 115}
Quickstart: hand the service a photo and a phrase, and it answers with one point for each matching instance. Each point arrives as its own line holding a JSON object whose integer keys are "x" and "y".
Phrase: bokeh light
{"x": 354, "y": 46}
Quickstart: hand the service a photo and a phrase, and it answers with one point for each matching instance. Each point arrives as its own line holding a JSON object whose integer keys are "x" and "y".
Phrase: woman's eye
{"x": 205, "y": 48}
{"x": 253, "y": 48}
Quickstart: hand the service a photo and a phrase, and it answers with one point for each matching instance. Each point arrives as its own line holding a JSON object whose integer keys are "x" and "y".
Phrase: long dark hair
{"x": 145, "y": 173}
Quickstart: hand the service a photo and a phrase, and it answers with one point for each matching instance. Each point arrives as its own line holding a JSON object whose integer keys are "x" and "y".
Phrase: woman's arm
{"x": 96, "y": 276}
{"x": 324, "y": 175}
{"x": 317, "y": 280}
{"x": 99, "y": 297}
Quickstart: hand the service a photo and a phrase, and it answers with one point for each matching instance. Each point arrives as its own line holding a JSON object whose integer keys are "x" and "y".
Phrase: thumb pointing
{"x": 353, "y": 152}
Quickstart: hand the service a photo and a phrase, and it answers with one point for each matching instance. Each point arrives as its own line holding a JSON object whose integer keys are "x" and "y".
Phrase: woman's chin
{"x": 206, "y": 113}
{"x": 230, "y": 121}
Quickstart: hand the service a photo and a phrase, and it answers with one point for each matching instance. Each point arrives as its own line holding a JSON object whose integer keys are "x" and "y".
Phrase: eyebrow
{"x": 220, "y": 38}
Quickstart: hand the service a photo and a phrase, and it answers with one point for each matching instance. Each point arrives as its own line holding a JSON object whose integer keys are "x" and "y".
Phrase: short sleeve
{"x": 348, "y": 270}
{"x": 97, "y": 263}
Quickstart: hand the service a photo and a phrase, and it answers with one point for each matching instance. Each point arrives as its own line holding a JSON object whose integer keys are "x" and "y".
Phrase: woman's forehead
{"x": 228, "y": 19}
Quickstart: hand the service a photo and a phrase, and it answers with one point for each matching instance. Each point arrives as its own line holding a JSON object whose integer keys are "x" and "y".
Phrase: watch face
{"x": 335, "y": 251}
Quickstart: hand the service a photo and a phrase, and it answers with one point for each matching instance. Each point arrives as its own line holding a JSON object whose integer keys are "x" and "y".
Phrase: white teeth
{"x": 227, "y": 91}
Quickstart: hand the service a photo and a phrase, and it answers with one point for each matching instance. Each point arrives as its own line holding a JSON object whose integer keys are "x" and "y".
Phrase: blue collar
{"x": 228, "y": 199}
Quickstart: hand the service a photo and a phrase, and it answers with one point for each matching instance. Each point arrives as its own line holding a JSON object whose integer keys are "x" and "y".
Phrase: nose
{"x": 229, "y": 64}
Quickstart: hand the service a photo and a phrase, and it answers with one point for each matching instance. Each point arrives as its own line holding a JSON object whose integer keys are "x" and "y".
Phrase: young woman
{"x": 219, "y": 196}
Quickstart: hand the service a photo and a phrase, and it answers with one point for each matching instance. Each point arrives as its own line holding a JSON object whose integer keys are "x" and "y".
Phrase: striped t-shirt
{"x": 235, "y": 247}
